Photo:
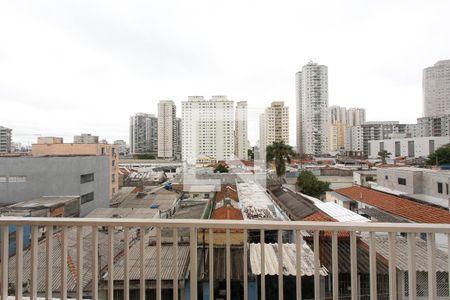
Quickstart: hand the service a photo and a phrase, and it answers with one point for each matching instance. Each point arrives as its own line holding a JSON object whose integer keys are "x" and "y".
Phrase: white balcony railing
{"x": 32, "y": 271}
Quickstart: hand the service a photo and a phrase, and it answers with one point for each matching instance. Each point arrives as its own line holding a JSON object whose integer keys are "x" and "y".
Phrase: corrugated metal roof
{"x": 339, "y": 213}
{"x": 401, "y": 247}
{"x": 289, "y": 258}
{"x": 167, "y": 259}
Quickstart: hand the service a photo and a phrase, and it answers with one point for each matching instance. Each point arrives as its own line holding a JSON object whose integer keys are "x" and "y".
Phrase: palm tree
{"x": 281, "y": 153}
{"x": 383, "y": 155}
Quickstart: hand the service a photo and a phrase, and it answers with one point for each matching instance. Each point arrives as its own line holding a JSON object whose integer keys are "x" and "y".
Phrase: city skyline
{"x": 63, "y": 72}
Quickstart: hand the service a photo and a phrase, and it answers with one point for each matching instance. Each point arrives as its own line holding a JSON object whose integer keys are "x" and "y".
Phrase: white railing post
{"x": 126, "y": 266}
{"x": 373, "y": 265}
{"x": 334, "y": 263}
{"x": 79, "y": 262}
{"x": 392, "y": 267}
{"x": 49, "y": 262}
{"x": 111, "y": 262}
{"x": 245, "y": 264}
{"x": 280, "y": 265}
{"x": 353, "y": 265}
{"x": 64, "y": 250}
{"x": 228, "y": 264}
{"x": 175, "y": 263}
{"x": 431, "y": 242}
{"x": 263, "y": 265}
{"x": 316, "y": 265}
{"x": 19, "y": 261}
{"x": 412, "y": 265}
{"x": 158, "y": 263}
{"x": 211, "y": 264}
{"x": 142, "y": 263}
{"x": 5, "y": 256}
{"x": 298, "y": 263}
{"x": 95, "y": 263}
{"x": 34, "y": 262}
{"x": 193, "y": 250}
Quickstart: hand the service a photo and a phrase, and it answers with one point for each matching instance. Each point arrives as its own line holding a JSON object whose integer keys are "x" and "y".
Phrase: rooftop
{"x": 407, "y": 209}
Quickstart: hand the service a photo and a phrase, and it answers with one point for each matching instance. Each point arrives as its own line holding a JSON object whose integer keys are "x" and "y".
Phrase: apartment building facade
{"x": 167, "y": 129}
{"x": 207, "y": 128}
{"x": 436, "y": 89}
{"x": 274, "y": 125}
{"x": 311, "y": 113}
{"x": 144, "y": 133}
{"x": 241, "y": 144}
{"x": 414, "y": 147}
{"x": 85, "y": 138}
{"x": 5, "y": 140}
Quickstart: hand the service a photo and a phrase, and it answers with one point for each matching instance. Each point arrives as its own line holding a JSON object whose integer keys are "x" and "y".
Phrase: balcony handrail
{"x": 231, "y": 224}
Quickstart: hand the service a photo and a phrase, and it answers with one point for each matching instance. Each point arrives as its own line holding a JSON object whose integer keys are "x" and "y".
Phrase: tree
{"x": 440, "y": 157}
{"x": 251, "y": 154}
{"x": 281, "y": 153}
{"x": 143, "y": 156}
{"x": 221, "y": 169}
{"x": 383, "y": 155}
{"x": 310, "y": 185}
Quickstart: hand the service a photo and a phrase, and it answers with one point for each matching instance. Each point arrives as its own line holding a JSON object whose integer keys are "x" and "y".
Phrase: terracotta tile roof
{"x": 322, "y": 217}
{"x": 227, "y": 191}
{"x": 227, "y": 213}
{"x": 416, "y": 212}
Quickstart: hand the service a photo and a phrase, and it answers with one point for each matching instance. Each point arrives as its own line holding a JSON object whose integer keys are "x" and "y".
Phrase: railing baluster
{"x": 5, "y": 258}
{"x": 211, "y": 264}
{"x": 110, "y": 262}
{"x": 431, "y": 241}
{"x": 412, "y": 265}
{"x": 142, "y": 263}
{"x": 158, "y": 263}
{"x": 353, "y": 266}
{"x": 79, "y": 262}
{"x": 334, "y": 263}
{"x": 392, "y": 267}
{"x": 34, "y": 261}
{"x": 448, "y": 261}
{"x": 280, "y": 265}
{"x": 49, "y": 262}
{"x": 263, "y": 265}
{"x": 373, "y": 266}
{"x": 64, "y": 262}
{"x": 175, "y": 263}
{"x": 316, "y": 266}
{"x": 95, "y": 263}
{"x": 298, "y": 263}
{"x": 126, "y": 267}
{"x": 19, "y": 261}
{"x": 245, "y": 265}
{"x": 228, "y": 261}
{"x": 193, "y": 250}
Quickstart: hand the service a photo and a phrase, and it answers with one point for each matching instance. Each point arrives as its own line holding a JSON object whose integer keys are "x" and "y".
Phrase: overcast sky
{"x": 68, "y": 67}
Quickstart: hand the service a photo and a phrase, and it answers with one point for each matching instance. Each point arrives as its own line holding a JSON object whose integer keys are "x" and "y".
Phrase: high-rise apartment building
{"x": 207, "y": 128}
{"x": 356, "y": 116}
{"x": 85, "y": 138}
{"x": 5, "y": 140}
{"x": 167, "y": 129}
{"x": 337, "y": 120}
{"x": 143, "y": 133}
{"x": 433, "y": 126}
{"x": 312, "y": 104}
{"x": 241, "y": 145}
{"x": 274, "y": 125}
{"x": 436, "y": 89}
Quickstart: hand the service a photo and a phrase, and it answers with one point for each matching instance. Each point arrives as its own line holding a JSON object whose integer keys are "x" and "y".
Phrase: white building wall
{"x": 207, "y": 129}
{"x": 436, "y": 91}
{"x": 166, "y": 128}
{"x": 421, "y": 146}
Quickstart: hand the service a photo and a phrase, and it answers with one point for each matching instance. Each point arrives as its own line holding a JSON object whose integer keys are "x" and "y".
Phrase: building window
{"x": 113, "y": 163}
{"x": 397, "y": 149}
{"x": 17, "y": 179}
{"x": 446, "y": 188}
{"x": 439, "y": 186}
{"x": 113, "y": 177}
{"x": 87, "y": 178}
{"x": 386, "y": 177}
{"x": 402, "y": 181}
{"x": 113, "y": 190}
{"x": 411, "y": 149}
{"x": 87, "y": 198}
